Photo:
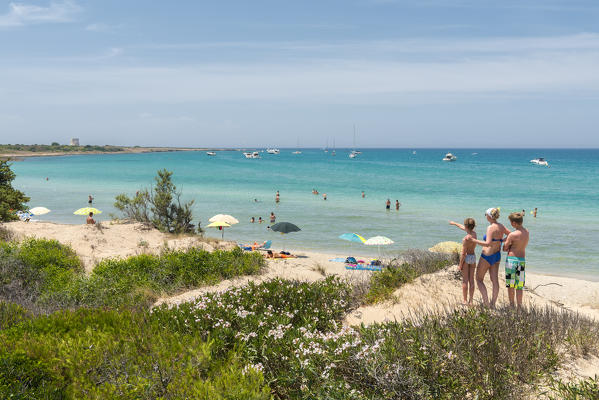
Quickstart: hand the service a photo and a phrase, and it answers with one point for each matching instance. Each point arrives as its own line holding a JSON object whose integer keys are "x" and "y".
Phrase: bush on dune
{"x": 100, "y": 354}
{"x": 44, "y": 276}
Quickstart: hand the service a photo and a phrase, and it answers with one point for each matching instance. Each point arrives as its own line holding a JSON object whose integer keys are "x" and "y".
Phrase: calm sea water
{"x": 563, "y": 236}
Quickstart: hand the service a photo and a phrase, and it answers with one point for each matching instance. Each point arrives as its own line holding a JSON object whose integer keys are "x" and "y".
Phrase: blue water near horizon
{"x": 431, "y": 192}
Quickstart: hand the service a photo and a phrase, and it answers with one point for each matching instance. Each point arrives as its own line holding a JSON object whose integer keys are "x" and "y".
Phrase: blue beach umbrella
{"x": 352, "y": 237}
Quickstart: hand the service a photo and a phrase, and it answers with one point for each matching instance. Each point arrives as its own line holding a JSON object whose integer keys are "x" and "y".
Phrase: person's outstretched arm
{"x": 462, "y": 227}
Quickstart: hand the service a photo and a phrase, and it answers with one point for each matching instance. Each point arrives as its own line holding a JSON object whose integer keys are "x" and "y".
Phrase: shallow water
{"x": 431, "y": 192}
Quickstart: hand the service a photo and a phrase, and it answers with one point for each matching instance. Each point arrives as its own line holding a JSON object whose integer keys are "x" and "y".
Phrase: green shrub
{"x": 45, "y": 276}
{"x": 265, "y": 322}
{"x": 11, "y": 199}
{"x": 11, "y": 314}
{"x": 581, "y": 390}
{"x": 160, "y": 206}
{"x": 101, "y": 354}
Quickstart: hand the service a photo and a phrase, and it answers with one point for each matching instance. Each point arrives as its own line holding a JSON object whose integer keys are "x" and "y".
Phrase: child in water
{"x": 467, "y": 259}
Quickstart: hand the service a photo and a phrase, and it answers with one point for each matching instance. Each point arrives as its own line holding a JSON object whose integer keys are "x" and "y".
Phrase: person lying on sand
{"x": 282, "y": 254}
{"x": 467, "y": 259}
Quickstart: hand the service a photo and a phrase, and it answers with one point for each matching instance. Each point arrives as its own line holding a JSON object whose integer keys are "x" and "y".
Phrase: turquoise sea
{"x": 563, "y": 236}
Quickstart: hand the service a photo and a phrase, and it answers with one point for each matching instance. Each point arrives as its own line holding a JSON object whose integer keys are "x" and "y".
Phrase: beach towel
{"x": 362, "y": 267}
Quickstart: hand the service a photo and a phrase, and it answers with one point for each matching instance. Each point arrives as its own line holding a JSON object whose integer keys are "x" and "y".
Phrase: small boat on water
{"x": 540, "y": 161}
{"x": 449, "y": 157}
{"x": 272, "y": 151}
{"x": 253, "y": 154}
{"x": 210, "y": 153}
{"x": 354, "y": 154}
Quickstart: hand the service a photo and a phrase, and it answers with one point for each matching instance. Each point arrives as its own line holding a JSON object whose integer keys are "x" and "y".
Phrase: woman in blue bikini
{"x": 490, "y": 256}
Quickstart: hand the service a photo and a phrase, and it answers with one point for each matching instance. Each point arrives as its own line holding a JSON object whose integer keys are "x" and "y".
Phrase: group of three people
{"x": 514, "y": 244}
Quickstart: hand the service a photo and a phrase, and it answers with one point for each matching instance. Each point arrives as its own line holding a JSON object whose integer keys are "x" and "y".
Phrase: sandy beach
{"x": 432, "y": 293}
{"x": 428, "y": 293}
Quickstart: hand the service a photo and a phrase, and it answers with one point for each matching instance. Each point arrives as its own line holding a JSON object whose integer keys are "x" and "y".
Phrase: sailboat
{"x": 333, "y": 152}
{"x": 354, "y": 153}
{"x": 297, "y": 151}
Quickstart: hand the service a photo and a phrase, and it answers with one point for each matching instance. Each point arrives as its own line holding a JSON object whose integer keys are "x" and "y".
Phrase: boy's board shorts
{"x": 514, "y": 272}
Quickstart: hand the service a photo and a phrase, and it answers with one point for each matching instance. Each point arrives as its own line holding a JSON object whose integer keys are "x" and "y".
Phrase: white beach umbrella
{"x": 224, "y": 218}
{"x": 39, "y": 211}
{"x": 378, "y": 241}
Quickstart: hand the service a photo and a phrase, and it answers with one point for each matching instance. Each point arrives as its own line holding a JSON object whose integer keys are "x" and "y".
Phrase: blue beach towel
{"x": 364, "y": 267}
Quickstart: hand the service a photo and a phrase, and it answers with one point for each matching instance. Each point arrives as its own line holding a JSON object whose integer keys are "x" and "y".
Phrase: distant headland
{"x": 17, "y": 151}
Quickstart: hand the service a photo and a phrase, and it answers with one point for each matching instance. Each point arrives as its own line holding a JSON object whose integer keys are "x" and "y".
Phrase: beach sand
{"x": 437, "y": 292}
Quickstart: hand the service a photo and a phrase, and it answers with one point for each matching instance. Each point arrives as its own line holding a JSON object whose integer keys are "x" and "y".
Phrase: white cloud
{"x": 20, "y": 14}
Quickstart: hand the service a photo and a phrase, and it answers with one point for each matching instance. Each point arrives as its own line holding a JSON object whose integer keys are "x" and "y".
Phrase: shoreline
{"x": 16, "y": 156}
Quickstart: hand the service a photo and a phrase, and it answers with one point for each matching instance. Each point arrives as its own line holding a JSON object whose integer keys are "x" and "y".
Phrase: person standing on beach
{"x": 277, "y": 197}
{"x": 388, "y": 205}
{"x": 490, "y": 256}
{"x": 90, "y": 199}
{"x": 515, "y": 262}
{"x": 397, "y": 205}
{"x": 467, "y": 259}
{"x": 273, "y": 218}
{"x": 535, "y": 212}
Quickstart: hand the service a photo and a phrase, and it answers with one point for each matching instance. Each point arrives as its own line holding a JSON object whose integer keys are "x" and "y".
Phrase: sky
{"x": 405, "y": 73}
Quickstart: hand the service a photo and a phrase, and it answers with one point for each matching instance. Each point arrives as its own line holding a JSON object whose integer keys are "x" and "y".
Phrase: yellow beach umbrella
{"x": 87, "y": 210}
{"x": 220, "y": 225}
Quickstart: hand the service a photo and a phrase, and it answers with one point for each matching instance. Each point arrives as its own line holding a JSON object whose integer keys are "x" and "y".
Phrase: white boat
{"x": 354, "y": 153}
{"x": 253, "y": 154}
{"x": 540, "y": 161}
{"x": 272, "y": 151}
{"x": 449, "y": 157}
{"x": 210, "y": 153}
{"x": 414, "y": 152}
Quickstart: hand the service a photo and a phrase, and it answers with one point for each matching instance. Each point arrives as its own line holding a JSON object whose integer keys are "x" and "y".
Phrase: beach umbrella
{"x": 220, "y": 225}
{"x": 39, "y": 211}
{"x": 285, "y": 227}
{"x": 352, "y": 237}
{"x": 378, "y": 241}
{"x": 87, "y": 210}
{"x": 229, "y": 219}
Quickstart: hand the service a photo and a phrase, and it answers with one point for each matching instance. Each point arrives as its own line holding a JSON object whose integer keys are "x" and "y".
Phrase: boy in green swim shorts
{"x": 515, "y": 263}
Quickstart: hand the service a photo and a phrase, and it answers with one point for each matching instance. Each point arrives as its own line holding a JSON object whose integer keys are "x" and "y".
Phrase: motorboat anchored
{"x": 272, "y": 151}
{"x": 253, "y": 154}
{"x": 540, "y": 161}
{"x": 210, "y": 153}
{"x": 449, "y": 157}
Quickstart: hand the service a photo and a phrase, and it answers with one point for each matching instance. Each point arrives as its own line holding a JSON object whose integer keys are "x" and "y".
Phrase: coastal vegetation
{"x": 399, "y": 271}
{"x": 159, "y": 206}
{"x": 57, "y": 148}
{"x": 64, "y": 334}
{"x": 11, "y": 199}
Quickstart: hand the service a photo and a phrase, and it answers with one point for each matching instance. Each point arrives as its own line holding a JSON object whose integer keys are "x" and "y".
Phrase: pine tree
{"x": 11, "y": 200}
